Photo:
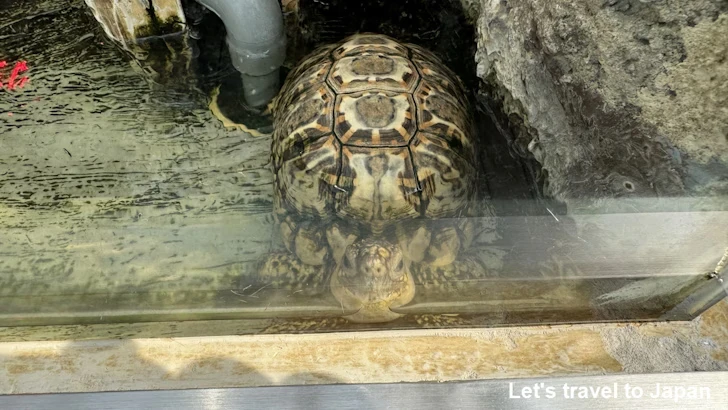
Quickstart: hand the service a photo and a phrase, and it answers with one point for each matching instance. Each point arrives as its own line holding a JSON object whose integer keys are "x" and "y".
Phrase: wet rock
{"x": 614, "y": 98}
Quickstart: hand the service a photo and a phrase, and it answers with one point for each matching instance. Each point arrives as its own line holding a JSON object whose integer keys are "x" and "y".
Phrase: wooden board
{"x": 127, "y": 20}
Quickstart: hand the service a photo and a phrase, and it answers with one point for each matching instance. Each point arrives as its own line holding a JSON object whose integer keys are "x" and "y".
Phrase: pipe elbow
{"x": 257, "y": 43}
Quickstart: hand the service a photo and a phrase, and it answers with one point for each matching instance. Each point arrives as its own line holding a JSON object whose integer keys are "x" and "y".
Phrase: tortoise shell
{"x": 373, "y": 129}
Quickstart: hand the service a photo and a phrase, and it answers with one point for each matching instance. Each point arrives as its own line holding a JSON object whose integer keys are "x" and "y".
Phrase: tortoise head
{"x": 372, "y": 276}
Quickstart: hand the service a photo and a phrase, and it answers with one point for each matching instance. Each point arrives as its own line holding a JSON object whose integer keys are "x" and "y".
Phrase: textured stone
{"x": 613, "y": 97}
{"x": 175, "y": 362}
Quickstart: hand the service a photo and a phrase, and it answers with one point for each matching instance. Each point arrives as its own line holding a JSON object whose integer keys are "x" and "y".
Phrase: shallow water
{"x": 110, "y": 184}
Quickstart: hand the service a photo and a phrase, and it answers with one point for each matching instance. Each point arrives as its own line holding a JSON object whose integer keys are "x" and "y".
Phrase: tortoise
{"x": 373, "y": 157}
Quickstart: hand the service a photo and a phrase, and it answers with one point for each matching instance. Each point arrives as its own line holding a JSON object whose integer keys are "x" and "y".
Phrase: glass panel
{"x": 392, "y": 183}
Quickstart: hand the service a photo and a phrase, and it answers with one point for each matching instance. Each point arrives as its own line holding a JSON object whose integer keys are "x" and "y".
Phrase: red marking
{"x": 14, "y": 82}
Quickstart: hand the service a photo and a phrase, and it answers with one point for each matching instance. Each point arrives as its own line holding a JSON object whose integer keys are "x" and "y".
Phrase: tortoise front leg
{"x": 284, "y": 270}
{"x": 304, "y": 238}
{"x": 464, "y": 272}
{"x": 435, "y": 242}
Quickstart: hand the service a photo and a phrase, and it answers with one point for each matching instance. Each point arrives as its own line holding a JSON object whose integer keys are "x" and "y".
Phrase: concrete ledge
{"x": 364, "y": 357}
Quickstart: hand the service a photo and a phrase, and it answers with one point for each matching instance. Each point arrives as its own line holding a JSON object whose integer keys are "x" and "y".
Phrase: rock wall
{"x": 613, "y": 97}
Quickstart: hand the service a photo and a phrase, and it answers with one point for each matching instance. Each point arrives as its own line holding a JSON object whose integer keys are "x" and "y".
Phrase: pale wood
{"x": 121, "y": 19}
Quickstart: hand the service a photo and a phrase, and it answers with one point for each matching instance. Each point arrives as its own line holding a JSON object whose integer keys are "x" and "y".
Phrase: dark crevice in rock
{"x": 440, "y": 26}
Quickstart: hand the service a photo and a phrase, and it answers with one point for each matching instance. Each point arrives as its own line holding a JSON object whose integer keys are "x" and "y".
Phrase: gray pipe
{"x": 257, "y": 44}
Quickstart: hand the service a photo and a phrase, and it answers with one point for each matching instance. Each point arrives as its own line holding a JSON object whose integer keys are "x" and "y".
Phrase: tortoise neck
{"x": 377, "y": 227}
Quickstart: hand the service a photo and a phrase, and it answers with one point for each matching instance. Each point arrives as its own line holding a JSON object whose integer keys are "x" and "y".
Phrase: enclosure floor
{"x": 110, "y": 184}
